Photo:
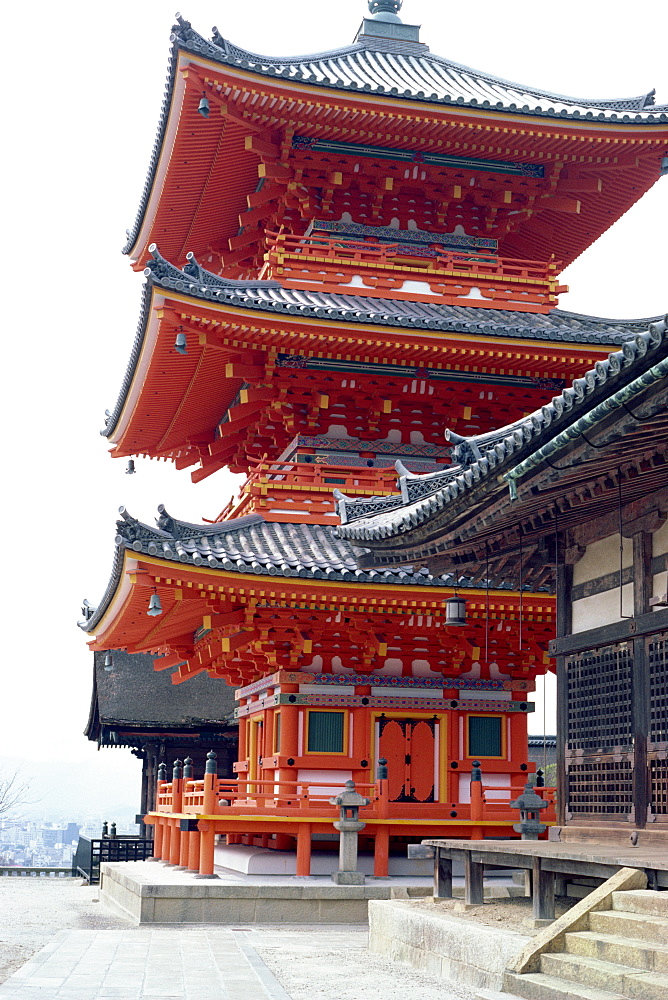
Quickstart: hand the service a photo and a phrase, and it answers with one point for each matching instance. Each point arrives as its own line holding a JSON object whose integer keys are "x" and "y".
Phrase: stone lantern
{"x": 529, "y": 805}
{"x": 348, "y": 825}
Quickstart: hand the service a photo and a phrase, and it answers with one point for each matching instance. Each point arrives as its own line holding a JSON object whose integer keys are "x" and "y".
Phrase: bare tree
{"x": 14, "y": 790}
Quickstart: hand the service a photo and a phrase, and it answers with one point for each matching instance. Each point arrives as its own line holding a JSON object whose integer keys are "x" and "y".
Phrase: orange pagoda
{"x": 345, "y": 253}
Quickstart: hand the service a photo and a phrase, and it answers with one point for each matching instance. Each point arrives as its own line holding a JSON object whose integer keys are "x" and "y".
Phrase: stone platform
{"x": 148, "y": 892}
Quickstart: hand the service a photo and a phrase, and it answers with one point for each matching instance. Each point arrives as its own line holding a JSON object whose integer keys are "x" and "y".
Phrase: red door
{"x": 408, "y": 747}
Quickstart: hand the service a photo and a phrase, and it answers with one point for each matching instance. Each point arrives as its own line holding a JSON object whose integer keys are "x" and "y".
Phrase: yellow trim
{"x": 276, "y": 734}
{"x": 504, "y": 736}
{"x": 278, "y": 818}
{"x": 346, "y": 733}
{"x": 288, "y": 589}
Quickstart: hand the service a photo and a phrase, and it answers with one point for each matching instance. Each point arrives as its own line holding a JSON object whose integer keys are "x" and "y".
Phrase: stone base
{"x": 348, "y": 878}
{"x": 461, "y": 950}
{"x": 149, "y": 893}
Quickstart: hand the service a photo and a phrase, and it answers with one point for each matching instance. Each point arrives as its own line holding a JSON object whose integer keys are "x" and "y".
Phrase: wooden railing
{"x": 189, "y": 812}
{"x": 328, "y": 260}
{"x": 308, "y": 487}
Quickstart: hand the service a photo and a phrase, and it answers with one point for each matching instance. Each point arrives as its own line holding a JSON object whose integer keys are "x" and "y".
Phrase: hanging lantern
{"x": 154, "y": 605}
{"x": 203, "y": 107}
{"x": 180, "y": 344}
{"x": 130, "y": 471}
{"x": 108, "y": 662}
{"x": 455, "y": 610}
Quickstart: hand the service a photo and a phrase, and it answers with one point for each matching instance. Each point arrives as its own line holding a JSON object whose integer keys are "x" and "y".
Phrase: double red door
{"x": 408, "y": 746}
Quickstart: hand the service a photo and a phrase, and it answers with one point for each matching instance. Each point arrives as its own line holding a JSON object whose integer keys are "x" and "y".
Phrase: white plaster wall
{"x": 602, "y": 609}
{"x": 602, "y": 557}
{"x": 660, "y": 540}
{"x": 660, "y": 548}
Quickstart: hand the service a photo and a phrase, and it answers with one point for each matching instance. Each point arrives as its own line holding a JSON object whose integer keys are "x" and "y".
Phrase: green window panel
{"x": 485, "y": 736}
{"x": 325, "y": 732}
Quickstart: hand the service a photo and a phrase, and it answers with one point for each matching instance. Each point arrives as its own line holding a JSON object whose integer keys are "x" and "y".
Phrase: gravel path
{"x": 327, "y": 969}
{"x": 32, "y": 910}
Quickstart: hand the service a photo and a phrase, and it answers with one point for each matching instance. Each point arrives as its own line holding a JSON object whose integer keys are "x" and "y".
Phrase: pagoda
{"x": 345, "y": 253}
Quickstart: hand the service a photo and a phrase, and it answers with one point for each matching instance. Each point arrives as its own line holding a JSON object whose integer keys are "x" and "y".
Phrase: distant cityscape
{"x": 45, "y": 844}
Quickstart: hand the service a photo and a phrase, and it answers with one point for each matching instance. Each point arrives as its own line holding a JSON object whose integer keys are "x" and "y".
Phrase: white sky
{"x": 83, "y": 86}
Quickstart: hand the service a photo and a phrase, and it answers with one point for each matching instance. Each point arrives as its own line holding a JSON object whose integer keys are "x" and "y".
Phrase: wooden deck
{"x": 545, "y": 860}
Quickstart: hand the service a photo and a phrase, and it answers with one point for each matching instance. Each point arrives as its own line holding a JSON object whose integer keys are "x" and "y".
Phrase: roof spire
{"x": 385, "y": 10}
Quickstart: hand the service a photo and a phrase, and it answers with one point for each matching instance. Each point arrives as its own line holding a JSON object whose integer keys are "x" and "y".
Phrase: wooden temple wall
{"x": 612, "y": 663}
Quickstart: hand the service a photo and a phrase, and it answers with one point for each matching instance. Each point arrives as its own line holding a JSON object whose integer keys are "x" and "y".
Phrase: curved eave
{"x": 182, "y": 199}
{"x": 121, "y": 621}
{"x": 194, "y": 391}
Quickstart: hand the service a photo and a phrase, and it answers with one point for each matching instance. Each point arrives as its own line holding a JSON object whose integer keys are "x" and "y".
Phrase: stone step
{"x": 618, "y": 950}
{"x": 634, "y": 984}
{"x": 637, "y": 926}
{"x": 541, "y": 986}
{"x": 642, "y": 901}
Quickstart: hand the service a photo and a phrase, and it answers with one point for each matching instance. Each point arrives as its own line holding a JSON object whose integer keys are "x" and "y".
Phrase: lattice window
{"x": 658, "y": 774}
{"x": 657, "y": 655}
{"x": 599, "y": 699}
{"x": 600, "y": 787}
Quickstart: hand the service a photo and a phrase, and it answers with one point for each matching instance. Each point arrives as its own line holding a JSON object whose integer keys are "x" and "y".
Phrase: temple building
{"x": 135, "y": 707}
{"x": 345, "y": 253}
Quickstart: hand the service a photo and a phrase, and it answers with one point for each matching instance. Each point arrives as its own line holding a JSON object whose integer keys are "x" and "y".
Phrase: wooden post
{"x": 207, "y": 830}
{"x": 477, "y": 802}
{"x": 381, "y": 851}
{"x": 177, "y": 802}
{"x": 642, "y": 591}
{"x": 304, "y": 849}
{"x": 442, "y": 875}
{"x": 564, "y": 575}
{"x": 474, "y": 873}
{"x": 157, "y": 839}
{"x": 542, "y": 891}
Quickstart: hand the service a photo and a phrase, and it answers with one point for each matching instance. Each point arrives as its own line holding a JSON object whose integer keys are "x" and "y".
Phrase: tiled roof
{"x": 409, "y": 71}
{"x": 516, "y": 446}
{"x": 270, "y": 296}
{"x": 249, "y": 545}
{"x": 134, "y": 693}
{"x": 417, "y": 74}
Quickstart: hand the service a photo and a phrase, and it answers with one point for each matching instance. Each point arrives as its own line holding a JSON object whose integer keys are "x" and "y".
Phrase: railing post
{"x": 161, "y": 835}
{"x": 382, "y": 788}
{"x": 185, "y": 836}
{"x": 477, "y": 801}
{"x": 177, "y": 799}
{"x": 207, "y": 827}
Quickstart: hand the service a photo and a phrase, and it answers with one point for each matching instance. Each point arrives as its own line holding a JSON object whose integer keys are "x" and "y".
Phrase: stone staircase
{"x": 622, "y": 956}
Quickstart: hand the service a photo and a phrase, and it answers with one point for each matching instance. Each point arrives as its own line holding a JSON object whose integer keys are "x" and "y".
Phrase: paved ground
{"x": 99, "y": 957}
{"x": 216, "y": 963}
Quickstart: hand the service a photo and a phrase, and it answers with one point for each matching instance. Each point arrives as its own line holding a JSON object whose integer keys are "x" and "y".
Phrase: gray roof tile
{"x": 248, "y": 545}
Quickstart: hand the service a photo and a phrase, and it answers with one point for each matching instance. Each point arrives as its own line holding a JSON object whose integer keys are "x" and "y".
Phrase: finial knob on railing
{"x": 540, "y": 780}
{"x": 211, "y": 763}
{"x": 105, "y": 829}
{"x": 162, "y": 772}
{"x": 188, "y": 768}
{"x": 177, "y": 772}
{"x": 112, "y": 832}
{"x": 381, "y": 770}
{"x": 476, "y": 772}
